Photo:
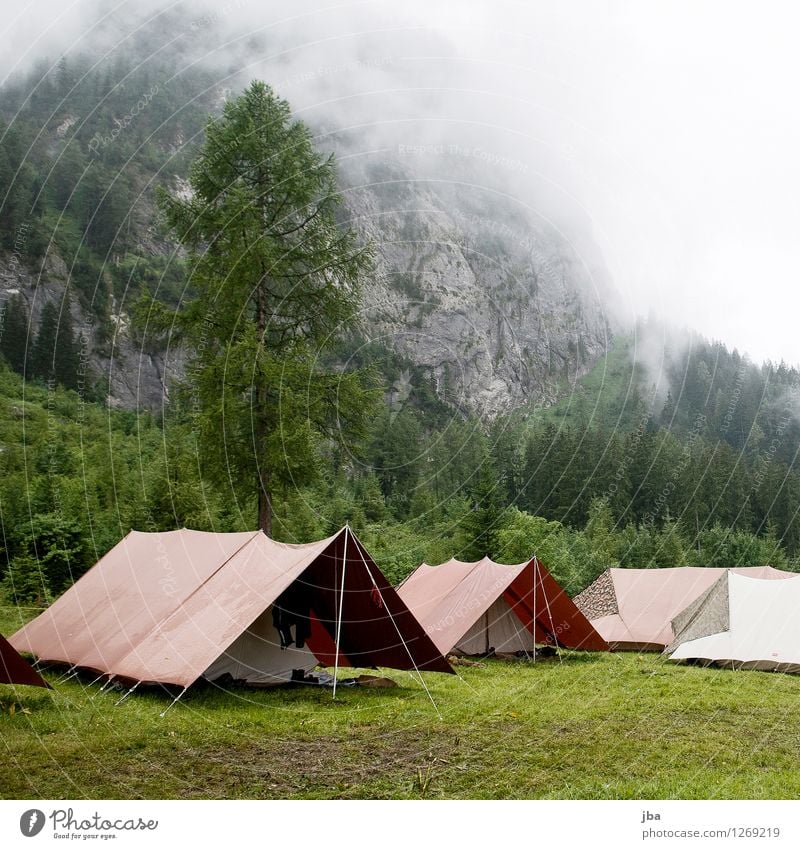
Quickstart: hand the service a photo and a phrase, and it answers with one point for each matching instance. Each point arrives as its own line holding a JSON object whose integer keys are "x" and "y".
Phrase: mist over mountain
{"x": 500, "y": 302}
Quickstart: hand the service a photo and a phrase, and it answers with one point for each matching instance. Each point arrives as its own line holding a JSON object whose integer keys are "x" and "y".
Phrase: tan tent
{"x": 743, "y": 623}
{"x": 633, "y": 609}
{"x": 173, "y": 607}
{"x": 473, "y": 608}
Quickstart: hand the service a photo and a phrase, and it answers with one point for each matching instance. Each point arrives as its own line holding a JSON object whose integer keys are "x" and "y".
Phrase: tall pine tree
{"x": 14, "y": 333}
{"x": 55, "y": 353}
{"x": 276, "y": 277}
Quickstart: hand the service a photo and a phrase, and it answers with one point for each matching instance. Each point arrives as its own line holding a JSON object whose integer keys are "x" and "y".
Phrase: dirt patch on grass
{"x": 360, "y": 763}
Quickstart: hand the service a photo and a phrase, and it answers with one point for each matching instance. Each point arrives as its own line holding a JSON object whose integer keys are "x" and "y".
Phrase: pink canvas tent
{"x": 633, "y": 609}
{"x": 173, "y": 607}
{"x": 473, "y": 608}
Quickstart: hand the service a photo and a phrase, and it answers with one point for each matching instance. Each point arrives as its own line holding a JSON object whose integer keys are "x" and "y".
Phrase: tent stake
{"x": 103, "y": 687}
{"x": 174, "y": 701}
{"x": 64, "y": 680}
{"x": 341, "y": 604}
{"x": 67, "y": 675}
{"x": 118, "y": 703}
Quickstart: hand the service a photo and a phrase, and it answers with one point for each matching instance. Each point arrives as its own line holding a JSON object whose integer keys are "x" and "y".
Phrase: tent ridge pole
{"x": 339, "y": 619}
{"x": 549, "y": 614}
{"x": 535, "y": 575}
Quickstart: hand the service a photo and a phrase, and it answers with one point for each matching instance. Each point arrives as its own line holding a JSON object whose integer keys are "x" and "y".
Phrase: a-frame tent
{"x": 475, "y": 608}
{"x": 14, "y": 669}
{"x": 633, "y": 609}
{"x": 742, "y": 622}
{"x": 177, "y": 606}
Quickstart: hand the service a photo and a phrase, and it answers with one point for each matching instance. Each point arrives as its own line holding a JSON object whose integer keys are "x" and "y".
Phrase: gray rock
{"x": 500, "y": 309}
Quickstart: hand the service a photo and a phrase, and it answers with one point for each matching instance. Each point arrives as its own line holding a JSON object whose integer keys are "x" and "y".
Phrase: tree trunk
{"x": 264, "y": 507}
{"x": 264, "y": 494}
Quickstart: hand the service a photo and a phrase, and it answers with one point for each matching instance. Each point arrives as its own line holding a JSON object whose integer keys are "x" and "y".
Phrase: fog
{"x": 668, "y": 131}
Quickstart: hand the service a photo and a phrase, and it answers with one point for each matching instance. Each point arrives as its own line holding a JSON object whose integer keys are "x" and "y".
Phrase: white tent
{"x": 633, "y": 609}
{"x": 742, "y": 622}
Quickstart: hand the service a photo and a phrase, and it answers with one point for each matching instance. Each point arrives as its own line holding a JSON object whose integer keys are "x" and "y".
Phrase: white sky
{"x": 674, "y": 126}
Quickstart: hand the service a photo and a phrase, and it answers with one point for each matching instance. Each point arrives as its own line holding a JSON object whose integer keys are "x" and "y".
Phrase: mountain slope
{"x": 496, "y": 308}
{"x": 501, "y": 310}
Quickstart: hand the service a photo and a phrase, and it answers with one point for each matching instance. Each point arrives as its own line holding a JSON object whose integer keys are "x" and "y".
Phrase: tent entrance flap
{"x": 499, "y": 630}
{"x": 258, "y": 658}
{"x": 358, "y": 619}
{"x": 14, "y": 669}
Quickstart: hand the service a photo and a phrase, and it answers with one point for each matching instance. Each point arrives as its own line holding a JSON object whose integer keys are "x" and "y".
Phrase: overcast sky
{"x": 672, "y": 127}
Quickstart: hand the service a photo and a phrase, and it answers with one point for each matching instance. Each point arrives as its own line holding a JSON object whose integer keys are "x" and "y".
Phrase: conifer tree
{"x": 275, "y": 278}
{"x": 14, "y": 333}
{"x": 41, "y": 364}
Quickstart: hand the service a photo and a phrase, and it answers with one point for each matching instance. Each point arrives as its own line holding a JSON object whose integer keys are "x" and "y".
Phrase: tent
{"x": 743, "y": 623}
{"x": 633, "y": 608}
{"x": 473, "y": 608}
{"x": 177, "y": 606}
{"x": 14, "y": 669}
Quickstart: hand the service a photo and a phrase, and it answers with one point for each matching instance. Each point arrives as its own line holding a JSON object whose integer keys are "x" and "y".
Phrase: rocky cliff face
{"x": 499, "y": 308}
{"x": 503, "y": 310}
{"x": 130, "y": 377}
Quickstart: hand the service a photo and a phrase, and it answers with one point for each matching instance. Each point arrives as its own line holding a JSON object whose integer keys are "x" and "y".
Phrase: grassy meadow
{"x": 588, "y": 726}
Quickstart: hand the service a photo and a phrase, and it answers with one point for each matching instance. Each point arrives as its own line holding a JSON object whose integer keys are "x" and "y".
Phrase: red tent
{"x": 176, "y": 606}
{"x": 476, "y": 607}
{"x": 14, "y": 669}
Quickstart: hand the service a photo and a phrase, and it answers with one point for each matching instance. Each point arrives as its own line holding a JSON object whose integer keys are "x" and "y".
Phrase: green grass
{"x": 592, "y": 726}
